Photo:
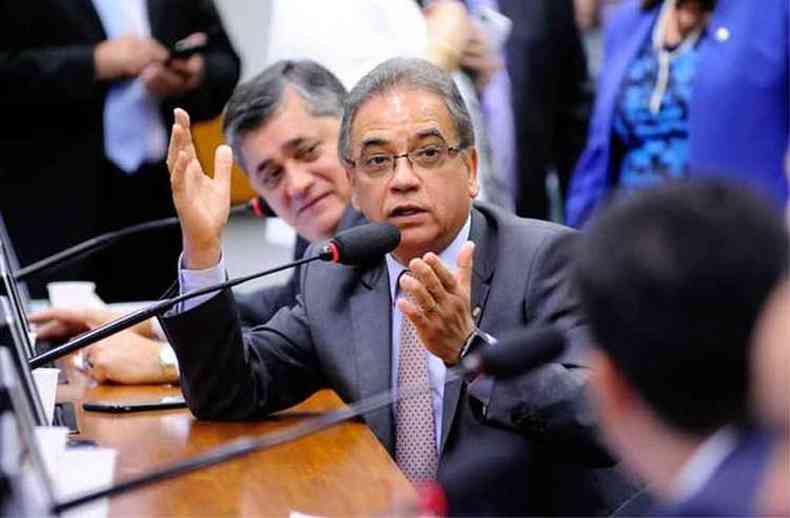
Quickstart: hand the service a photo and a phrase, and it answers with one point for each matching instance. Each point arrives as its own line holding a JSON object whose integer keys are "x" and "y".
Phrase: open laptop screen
{"x": 13, "y": 264}
{"x": 15, "y": 299}
{"x": 20, "y": 362}
{"x": 28, "y": 487}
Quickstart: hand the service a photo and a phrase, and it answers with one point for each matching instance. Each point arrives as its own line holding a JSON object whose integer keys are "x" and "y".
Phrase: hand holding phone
{"x": 185, "y": 48}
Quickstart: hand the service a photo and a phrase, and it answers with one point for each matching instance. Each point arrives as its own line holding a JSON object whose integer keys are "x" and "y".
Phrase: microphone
{"x": 363, "y": 244}
{"x": 355, "y": 246}
{"x": 516, "y": 353}
{"x": 245, "y": 445}
{"x": 260, "y": 208}
{"x": 102, "y": 241}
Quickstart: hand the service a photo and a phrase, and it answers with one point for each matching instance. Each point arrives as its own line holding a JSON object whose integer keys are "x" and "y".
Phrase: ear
{"x": 470, "y": 158}
{"x": 352, "y": 181}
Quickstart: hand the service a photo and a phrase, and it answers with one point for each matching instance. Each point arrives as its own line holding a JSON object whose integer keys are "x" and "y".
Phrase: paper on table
{"x": 83, "y": 469}
{"x": 51, "y": 443}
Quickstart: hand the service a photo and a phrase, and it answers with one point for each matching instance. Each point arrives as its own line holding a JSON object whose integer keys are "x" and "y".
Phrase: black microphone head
{"x": 363, "y": 244}
{"x": 521, "y": 351}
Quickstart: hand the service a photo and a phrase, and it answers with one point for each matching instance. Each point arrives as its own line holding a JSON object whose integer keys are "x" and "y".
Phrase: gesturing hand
{"x": 440, "y": 305}
{"x": 202, "y": 202}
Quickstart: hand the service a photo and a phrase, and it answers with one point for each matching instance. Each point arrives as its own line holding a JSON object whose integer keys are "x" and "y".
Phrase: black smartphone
{"x": 119, "y": 407}
{"x": 186, "y": 48}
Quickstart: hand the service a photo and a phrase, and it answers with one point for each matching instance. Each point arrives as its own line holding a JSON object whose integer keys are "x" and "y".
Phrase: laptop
{"x": 27, "y": 490}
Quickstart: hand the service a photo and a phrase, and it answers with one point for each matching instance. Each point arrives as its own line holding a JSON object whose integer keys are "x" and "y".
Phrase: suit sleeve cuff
{"x": 191, "y": 280}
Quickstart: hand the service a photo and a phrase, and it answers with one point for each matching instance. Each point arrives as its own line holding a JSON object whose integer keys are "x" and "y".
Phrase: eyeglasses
{"x": 426, "y": 158}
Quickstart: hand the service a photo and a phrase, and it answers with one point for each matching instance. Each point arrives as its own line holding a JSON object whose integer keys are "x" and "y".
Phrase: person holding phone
{"x": 87, "y": 103}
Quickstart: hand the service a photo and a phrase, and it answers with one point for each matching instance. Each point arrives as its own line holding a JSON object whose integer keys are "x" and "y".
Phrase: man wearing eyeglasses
{"x": 459, "y": 273}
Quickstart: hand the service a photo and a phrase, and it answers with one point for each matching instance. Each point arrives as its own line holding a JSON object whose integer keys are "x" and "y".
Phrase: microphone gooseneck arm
{"x": 102, "y": 241}
{"x": 86, "y": 247}
{"x": 350, "y": 247}
{"x": 147, "y": 312}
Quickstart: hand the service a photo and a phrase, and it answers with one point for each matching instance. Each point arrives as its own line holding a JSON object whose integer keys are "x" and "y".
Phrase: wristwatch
{"x": 477, "y": 339}
{"x": 168, "y": 361}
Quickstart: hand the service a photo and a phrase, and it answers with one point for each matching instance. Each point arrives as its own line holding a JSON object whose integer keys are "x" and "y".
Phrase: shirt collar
{"x": 702, "y": 464}
{"x": 449, "y": 257}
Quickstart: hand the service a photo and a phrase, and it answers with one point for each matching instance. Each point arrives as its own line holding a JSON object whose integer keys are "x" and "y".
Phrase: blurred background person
{"x": 688, "y": 88}
{"x": 673, "y": 281}
{"x": 87, "y": 104}
{"x": 545, "y": 74}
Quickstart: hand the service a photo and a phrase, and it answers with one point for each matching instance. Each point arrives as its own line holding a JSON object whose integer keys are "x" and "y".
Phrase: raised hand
{"x": 440, "y": 305}
{"x": 202, "y": 202}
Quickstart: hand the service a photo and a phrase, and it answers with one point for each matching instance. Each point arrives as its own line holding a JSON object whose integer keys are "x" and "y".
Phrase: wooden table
{"x": 343, "y": 471}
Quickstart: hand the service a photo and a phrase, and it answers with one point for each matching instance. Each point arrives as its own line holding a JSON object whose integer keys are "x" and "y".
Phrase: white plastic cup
{"x": 73, "y": 294}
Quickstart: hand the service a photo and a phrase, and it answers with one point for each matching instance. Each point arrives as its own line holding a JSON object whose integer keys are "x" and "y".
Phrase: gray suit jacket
{"x": 260, "y": 305}
{"x": 338, "y": 336}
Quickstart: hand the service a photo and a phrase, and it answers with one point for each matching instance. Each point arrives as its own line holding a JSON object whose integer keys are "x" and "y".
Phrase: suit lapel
{"x": 370, "y": 317}
{"x": 160, "y": 29}
{"x": 484, "y": 260}
{"x": 84, "y": 15}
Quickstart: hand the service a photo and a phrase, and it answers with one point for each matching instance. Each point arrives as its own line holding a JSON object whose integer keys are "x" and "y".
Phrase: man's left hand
{"x": 440, "y": 303}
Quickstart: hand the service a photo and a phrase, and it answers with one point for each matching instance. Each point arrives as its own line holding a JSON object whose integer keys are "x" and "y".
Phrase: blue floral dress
{"x": 652, "y": 147}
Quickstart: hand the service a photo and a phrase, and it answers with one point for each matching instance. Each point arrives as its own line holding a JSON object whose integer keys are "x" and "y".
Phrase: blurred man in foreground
{"x": 771, "y": 382}
{"x": 673, "y": 281}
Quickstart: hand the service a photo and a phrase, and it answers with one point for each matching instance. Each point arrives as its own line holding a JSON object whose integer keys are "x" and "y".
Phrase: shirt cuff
{"x": 191, "y": 280}
{"x": 481, "y": 389}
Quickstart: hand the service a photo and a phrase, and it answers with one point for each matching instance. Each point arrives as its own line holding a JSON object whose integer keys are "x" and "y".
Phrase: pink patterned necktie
{"x": 415, "y": 437}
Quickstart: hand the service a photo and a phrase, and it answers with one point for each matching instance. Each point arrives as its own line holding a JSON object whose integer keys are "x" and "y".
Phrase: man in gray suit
{"x": 408, "y": 147}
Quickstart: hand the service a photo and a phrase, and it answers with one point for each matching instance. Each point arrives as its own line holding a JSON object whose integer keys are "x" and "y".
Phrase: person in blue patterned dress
{"x": 688, "y": 89}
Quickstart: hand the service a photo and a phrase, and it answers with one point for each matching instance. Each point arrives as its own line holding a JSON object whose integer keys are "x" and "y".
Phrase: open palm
{"x": 202, "y": 202}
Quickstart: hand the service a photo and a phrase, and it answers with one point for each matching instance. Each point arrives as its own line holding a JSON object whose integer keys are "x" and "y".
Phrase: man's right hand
{"x": 127, "y": 358}
{"x": 126, "y": 56}
{"x": 202, "y": 202}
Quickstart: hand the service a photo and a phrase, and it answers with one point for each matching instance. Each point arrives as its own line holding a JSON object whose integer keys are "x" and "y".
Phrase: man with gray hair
{"x": 461, "y": 271}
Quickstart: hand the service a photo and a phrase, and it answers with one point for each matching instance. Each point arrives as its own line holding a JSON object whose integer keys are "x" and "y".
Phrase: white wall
{"x": 247, "y": 24}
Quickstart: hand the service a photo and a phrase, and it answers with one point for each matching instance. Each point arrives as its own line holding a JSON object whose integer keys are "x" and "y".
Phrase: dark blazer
{"x": 338, "y": 336}
{"x": 550, "y": 95}
{"x": 52, "y": 165}
{"x": 739, "y": 113}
